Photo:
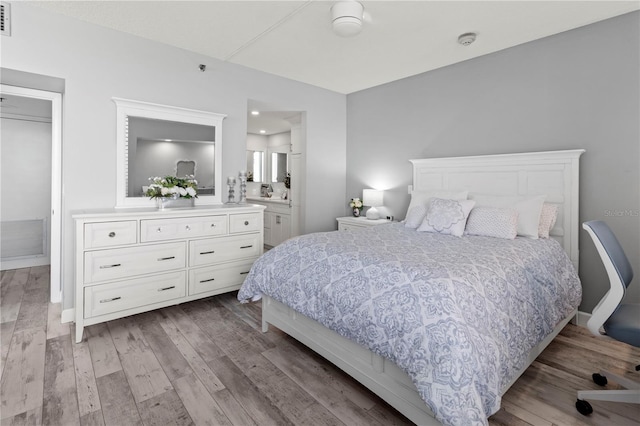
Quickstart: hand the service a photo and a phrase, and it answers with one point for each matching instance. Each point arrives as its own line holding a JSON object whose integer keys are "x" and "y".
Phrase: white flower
{"x": 181, "y": 191}
{"x": 165, "y": 191}
{"x": 191, "y": 191}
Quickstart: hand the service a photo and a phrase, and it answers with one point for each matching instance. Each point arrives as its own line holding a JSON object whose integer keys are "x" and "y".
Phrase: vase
{"x": 174, "y": 202}
{"x": 356, "y": 212}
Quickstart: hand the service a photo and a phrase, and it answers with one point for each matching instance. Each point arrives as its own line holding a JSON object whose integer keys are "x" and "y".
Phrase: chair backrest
{"x": 618, "y": 269}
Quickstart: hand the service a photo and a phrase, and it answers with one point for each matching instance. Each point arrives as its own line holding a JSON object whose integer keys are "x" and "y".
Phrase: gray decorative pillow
{"x": 420, "y": 201}
{"x": 446, "y": 216}
{"x": 493, "y": 222}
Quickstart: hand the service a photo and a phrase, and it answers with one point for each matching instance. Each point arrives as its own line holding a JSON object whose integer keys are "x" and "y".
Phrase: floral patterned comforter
{"x": 458, "y": 315}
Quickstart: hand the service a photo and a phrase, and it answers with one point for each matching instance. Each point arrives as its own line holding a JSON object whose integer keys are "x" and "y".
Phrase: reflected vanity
{"x": 160, "y": 140}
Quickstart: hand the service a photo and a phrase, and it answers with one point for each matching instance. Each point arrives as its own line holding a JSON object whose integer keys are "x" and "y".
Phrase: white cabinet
{"x": 349, "y": 223}
{"x": 277, "y": 221}
{"x": 129, "y": 262}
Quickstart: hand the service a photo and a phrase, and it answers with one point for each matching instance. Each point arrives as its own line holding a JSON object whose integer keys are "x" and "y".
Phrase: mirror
{"x": 159, "y": 140}
{"x": 255, "y": 166}
{"x": 279, "y": 166}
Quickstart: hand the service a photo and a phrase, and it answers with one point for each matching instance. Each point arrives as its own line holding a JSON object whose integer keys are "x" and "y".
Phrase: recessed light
{"x": 255, "y": 112}
{"x": 263, "y": 131}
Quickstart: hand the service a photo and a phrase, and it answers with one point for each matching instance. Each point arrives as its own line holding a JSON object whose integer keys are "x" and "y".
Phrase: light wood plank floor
{"x": 207, "y": 363}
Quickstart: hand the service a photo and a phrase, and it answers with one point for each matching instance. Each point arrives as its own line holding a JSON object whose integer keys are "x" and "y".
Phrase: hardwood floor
{"x": 207, "y": 363}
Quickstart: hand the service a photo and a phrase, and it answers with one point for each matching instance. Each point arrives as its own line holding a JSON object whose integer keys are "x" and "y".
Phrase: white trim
{"x": 582, "y": 318}
{"x": 56, "y": 181}
{"x": 68, "y": 315}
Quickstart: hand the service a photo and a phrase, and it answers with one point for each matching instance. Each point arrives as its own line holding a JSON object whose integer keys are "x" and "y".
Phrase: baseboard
{"x": 68, "y": 315}
{"x": 582, "y": 318}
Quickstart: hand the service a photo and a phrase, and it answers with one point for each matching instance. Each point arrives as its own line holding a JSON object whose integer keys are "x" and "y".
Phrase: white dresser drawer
{"x": 109, "y": 234}
{"x": 213, "y": 250}
{"x": 102, "y": 265}
{"x": 119, "y": 296}
{"x": 184, "y": 227}
{"x": 244, "y": 222}
{"x": 225, "y": 277}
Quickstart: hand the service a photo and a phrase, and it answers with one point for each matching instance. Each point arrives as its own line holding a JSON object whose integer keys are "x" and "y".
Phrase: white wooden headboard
{"x": 554, "y": 173}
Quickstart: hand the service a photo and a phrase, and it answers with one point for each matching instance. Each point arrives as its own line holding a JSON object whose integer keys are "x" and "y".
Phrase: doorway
{"x": 276, "y": 145}
{"x": 31, "y": 207}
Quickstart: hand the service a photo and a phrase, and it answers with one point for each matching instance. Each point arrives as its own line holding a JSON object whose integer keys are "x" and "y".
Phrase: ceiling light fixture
{"x": 255, "y": 112}
{"x": 467, "y": 38}
{"x": 263, "y": 131}
{"x": 347, "y": 17}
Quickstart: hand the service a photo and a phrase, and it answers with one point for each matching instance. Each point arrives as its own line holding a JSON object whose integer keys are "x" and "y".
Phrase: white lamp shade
{"x": 372, "y": 197}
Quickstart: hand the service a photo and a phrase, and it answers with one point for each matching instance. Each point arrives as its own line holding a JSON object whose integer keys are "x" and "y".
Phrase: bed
{"x": 399, "y": 310}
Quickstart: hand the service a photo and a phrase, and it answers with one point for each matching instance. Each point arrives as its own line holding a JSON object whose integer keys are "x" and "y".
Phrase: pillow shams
{"x": 493, "y": 222}
{"x": 418, "y": 205}
{"x": 548, "y": 218}
{"x": 529, "y": 209}
{"x": 446, "y": 216}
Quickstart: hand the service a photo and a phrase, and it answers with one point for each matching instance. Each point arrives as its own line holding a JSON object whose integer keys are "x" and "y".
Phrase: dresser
{"x": 349, "y": 222}
{"x": 135, "y": 260}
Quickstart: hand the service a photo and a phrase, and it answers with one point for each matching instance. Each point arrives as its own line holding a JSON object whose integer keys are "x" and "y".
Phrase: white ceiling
{"x": 293, "y": 39}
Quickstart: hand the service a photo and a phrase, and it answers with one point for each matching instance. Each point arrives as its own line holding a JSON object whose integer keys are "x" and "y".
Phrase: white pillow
{"x": 493, "y": 222}
{"x": 418, "y": 205}
{"x": 446, "y": 216}
{"x": 529, "y": 209}
{"x": 548, "y": 218}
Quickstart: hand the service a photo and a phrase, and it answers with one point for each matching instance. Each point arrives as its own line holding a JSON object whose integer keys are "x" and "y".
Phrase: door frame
{"x": 55, "y": 249}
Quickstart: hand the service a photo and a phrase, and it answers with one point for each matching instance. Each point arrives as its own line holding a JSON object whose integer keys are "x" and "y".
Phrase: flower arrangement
{"x": 356, "y": 205}
{"x": 171, "y": 186}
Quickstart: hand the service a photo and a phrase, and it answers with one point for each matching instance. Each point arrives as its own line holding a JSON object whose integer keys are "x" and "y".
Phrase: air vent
{"x": 5, "y": 18}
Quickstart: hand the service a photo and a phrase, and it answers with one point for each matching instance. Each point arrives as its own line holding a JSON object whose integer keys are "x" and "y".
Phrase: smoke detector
{"x": 467, "y": 38}
{"x": 347, "y": 17}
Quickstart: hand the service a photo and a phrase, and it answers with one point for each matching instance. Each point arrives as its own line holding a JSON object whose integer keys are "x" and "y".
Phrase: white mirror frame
{"x": 126, "y": 108}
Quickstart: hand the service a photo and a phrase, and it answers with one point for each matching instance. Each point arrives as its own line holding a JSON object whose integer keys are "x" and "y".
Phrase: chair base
{"x": 629, "y": 395}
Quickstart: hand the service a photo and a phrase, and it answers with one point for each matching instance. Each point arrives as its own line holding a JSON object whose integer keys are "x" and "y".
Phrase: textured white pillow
{"x": 548, "y": 218}
{"x": 419, "y": 200}
{"x": 493, "y": 222}
{"x": 529, "y": 209}
{"x": 446, "y": 216}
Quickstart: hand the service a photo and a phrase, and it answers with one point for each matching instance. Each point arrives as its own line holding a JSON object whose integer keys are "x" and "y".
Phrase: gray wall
{"x": 97, "y": 64}
{"x": 578, "y": 89}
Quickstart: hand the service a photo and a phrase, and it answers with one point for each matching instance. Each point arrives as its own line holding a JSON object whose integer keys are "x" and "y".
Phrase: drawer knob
{"x": 188, "y": 228}
{"x": 246, "y": 222}
{"x": 213, "y": 225}
{"x": 244, "y": 273}
{"x": 110, "y": 300}
{"x": 160, "y": 259}
{"x": 244, "y": 247}
{"x": 206, "y": 281}
{"x": 208, "y": 252}
{"x": 159, "y": 229}
{"x": 112, "y": 234}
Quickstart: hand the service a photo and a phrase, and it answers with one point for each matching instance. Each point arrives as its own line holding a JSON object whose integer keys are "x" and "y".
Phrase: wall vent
{"x": 5, "y": 18}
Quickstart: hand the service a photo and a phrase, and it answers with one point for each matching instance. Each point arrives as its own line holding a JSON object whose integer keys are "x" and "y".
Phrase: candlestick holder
{"x": 231, "y": 184}
{"x": 242, "y": 177}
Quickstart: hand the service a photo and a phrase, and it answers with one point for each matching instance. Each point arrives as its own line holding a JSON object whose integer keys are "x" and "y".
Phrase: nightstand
{"x": 349, "y": 222}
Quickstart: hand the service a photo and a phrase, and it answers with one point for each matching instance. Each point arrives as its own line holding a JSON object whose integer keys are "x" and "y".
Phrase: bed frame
{"x": 555, "y": 173}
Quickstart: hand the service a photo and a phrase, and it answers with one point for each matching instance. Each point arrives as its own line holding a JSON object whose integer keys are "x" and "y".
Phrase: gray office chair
{"x": 619, "y": 321}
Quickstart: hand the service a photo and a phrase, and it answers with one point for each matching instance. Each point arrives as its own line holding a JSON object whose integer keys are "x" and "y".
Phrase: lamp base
{"x": 373, "y": 214}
